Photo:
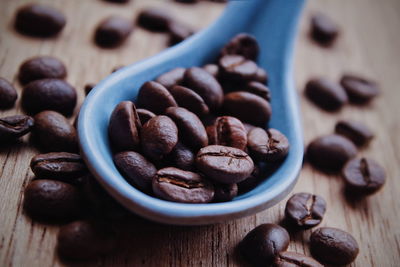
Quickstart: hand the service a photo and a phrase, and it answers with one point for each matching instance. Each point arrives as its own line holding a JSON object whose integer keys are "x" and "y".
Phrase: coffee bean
{"x": 305, "y": 210}
{"x": 63, "y": 166}
{"x": 250, "y": 182}
{"x": 324, "y": 30}
{"x": 269, "y": 145}
{"x": 326, "y": 94}
{"x": 293, "y": 259}
{"x": 89, "y": 87}
{"x": 178, "y": 32}
{"x": 357, "y": 132}
{"x": 262, "y": 244}
{"x": 52, "y": 200}
{"x": 171, "y": 78}
{"x": 182, "y": 157}
{"x": 190, "y": 100}
{"x": 330, "y": 152}
{"x": 182, "y": 186}
{"x": 136, "y": 169}
{"x": 41, "y": 67}
{"x": 159, "y": 136}
{"x": 225, "y": 192}
{"x": 124, "y": 127}
{"x": 8, "y": 94}
{"x": 39, "y": 20}
{"x": 363, "y": 175}
{"x": 13, "y": 127}
{"x": 242, "y": 44}
{"x": 155, "y": 97}
{"x": 145, "y": 115}
{"x": 191, "y": 129}
{"x": 205, "y": 85}
{"x": 235, "y": 68}
{"x": 213, "y": 69}
{"x": 259, "y": 89}
{"x": 333, "y": 246}
{"x": 112, "y": 32}
{"x": 154, "y": 19}
{"x": 224, "y": 164}
{"x": 53, "y": 132}
{"x": 228, "y": 131}
{"x": 49, "y": 94}
{"x": 359, "y": 90}
{"x": 261, "y": 76}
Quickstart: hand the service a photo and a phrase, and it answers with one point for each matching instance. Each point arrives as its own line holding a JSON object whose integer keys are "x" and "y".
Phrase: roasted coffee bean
{"x": 190, "y": 100}
{"x": 178, "y": 32}
{"x": 235, "y": 68}
{"x": 158, "y": 137}
{"x": 89, "y": 87}
{"x": 182, "y": 186}
{"x": 330, "y": 152}
{"x": 323, "y": 29}
{"x": 145, "y": 115}
{"x": 261, "y": 76}
{"x": 247, "y": 107}
{"x": 326, "y": 94}
{"x": 225, "y": 192}
{"x": 305, "y": 210}
{"x": 39, "y": 20}
{"x": 269, "y": 145}
{"x": 205, "y": 85}
{"x": 182, "y": 157}
{"x": 262, "y": 244}
{"x": 242, "y": 44}
{"x": 224, "y": 164}
{"x": 63, "y": 166}
{"x": 359, "y": 90}
{"x": 333, "y": 246}
{"x": 250, "y": 182}
{"x": 363, "y": 175}
{"x": 191, "y": 129}
{"x": 42, "y": 67}
{"x": 53, "y": 132}
{"x": 171, "y": 78}
{"x": 8, "y": 94}
{"x": 52, "y": 200}
{"x": 293, "y": 259}
{"x": 13, "y": 127}
{"x": 81, "y": 240}
{"x": 136, "y": 169}
{"x": 112, "y": 32}
{"x": 49, "y": 94}
{"x": 213, "y": 69}
{"x": 227, "y": 131}
{"x": 259, "y": 89}
{"x": 357, "y": 132}
{"x": 124, "y": 127}
{"x": 154, "y": 19}
{"x": 155, "y": 97}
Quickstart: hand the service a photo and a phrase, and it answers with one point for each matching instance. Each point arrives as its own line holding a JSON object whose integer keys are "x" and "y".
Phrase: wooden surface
{"x": 369, "y": 45}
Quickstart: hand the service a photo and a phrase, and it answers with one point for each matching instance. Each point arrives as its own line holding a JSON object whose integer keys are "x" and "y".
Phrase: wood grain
{"x": 369, "y": 45}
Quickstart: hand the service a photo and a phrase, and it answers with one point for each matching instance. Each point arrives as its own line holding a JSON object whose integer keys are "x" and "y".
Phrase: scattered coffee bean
{"x": 8, "y": 94}
{"x": 39, "y": 20}
{"x": 326, "y": 94}
{"x": 259, "y": 89}
{"x": 182, "y": 157}
{"x": 262, "y": 244}
{"x": 89, "y": 87}
{"x": 293, "y": 259}
{"x": 41, "y": 67}
{"x": 49, "y": 94}
{"x": 225, "y": 192}
{"x": 13, "y": 127}
{"x": 171, "y": 78}
{"x": 363, "y": 175}
{"x": 269, "y": 145}
{"x": 153, "y": 19}
{"x": 155, "y": 97}
{"x": 242, "y": 44}
{"x": 330, "y": 152}
{"x": 261, "y": 76}
{"x": 190, "y": 100}
{"x": 324, "y": 30}
{"x": 333, "y": 246}
{"x": 305, "y": 210}
{"x": 235, "y": 68}
{"x": 357, "y": 132}
{"x": 112, "y": 32}
{"x": 227, "y": 131}
{"x": 144, "y": 115}
{"x": 182, "y": 186}
{"x": 359, "y": 90}
{"x": 213, "y": 69}
{"x": 178, "y": 32}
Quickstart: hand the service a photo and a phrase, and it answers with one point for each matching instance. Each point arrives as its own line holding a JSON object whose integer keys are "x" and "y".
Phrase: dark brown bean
{"x": 269, "y": 145}
{"x": 235, "y": 68}
{"x": 293, "y": 259}
{"x": 323, "y": 29}
{"x": 360, "y": 90}
{"x": 305, "y": 210}
{"x": 190, "y": 100}
{"x": 112, "y": 32}
{"x": 178, "y": 32}
{"x": 154, "y": 19}
{"x": 8, "y": 94}
{"x": 213, "y": 69}
{"x": 155, "y": 97}
{"x": 357, "y": 132}
{"x": 145, "y": 115}
{"x": 326, "y": 94}
{"x": 250, "y": 182}
{"x": 259, "y": 89}
{"x": 13, "y": 127}
{"x": 225, "y": 192}
{"x": 227, "y": 131}
{"x": 41, "y": 67}
{"x": 242, "y": 44}
{"x": 182, "y": 157}
{"x": 171, "y": 78}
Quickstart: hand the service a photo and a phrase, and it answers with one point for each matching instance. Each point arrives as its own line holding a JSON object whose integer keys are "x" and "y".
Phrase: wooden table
{"x": 369, "y": 45}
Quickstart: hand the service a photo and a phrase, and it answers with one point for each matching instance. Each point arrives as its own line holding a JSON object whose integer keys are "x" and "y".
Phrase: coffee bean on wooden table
{"x": 324, "y": 30}
{"x": 326, "y": 94}
{"x": 41, "y": 67}
{"x": 182, "y": 157}
{"x": 227, "y": 131}
{"x": 39, "y": 20}
{"x": 225, "y": 192}
{"x": 49, "y": 94}
{"x": 8, "y": 94}
{"x": 53, "y": 132}
{"x": 236, "y": 68}
{"x": 259, "y": 89}
{"x": 171, "y": 78}
{"x": 178, "y": 32}
{"x": 242, "y": 44}
{"x": 144, "y": 115}
{"x": 305, "y": 210}
{"x": 124, "y": 127}
{"x": 333, "y": 246}
{"x": 330, "y": 152}
{"x": 357, "y": 132}
{"x": 224, "y": 164}
{"x": 262, "y": 244}
{"x": 13, "y": 127}
{"x": 293, "y": 259}
{"x": 213, "y": 69}
{"x": 363, "y": 175}
{"x": 112, "y": 32}
{"x": 190, "y": 100}
{"x": 88, "y": 88}
{"x": 360, "y": 90}
{"x": 182, "y": 186}
{"x": 155, "y": 97}
{"x": 267, "y": 145}
{"x": 154, "y": 19}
